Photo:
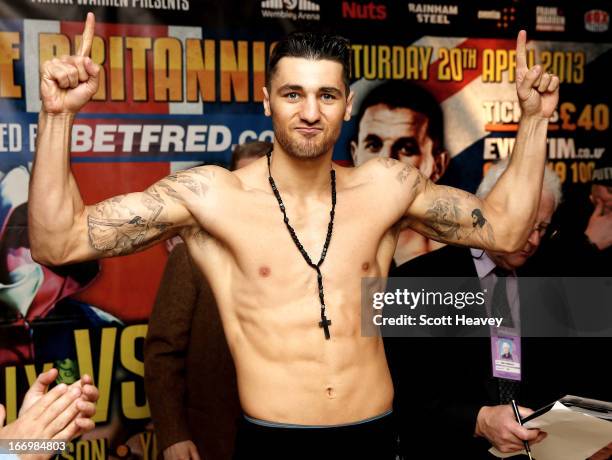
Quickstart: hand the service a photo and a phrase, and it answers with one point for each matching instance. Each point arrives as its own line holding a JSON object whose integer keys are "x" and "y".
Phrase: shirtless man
{"x": 289, "y": 374}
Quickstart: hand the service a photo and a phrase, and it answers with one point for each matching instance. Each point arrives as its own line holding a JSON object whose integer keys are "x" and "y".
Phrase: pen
{"x": 518, "y": 419}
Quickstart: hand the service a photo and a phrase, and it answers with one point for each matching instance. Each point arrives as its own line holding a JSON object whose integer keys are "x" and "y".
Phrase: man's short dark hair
{"x": 401, "y": 94}
{"x": 309, "y": 45}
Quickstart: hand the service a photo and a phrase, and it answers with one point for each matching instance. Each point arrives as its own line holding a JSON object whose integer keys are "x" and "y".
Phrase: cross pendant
{"x": 325, "y": 323}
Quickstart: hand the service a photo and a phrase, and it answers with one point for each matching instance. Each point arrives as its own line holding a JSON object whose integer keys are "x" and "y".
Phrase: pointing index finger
{"x": 88, "y": 34}
{"x": 521, "y": 52}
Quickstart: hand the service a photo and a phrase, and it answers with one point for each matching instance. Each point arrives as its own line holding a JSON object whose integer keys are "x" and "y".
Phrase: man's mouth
{"x": 308, "y": 131}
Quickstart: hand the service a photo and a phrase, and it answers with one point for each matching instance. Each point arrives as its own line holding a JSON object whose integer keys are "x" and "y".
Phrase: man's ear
{"x": 349, "y": 106}
{"x": 441, "y": 161}
{"x": 266, "y": 102}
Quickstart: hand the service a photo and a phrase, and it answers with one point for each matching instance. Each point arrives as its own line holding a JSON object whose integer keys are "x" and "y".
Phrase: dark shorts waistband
{"x": 271, "y": 424}
{"x": 374, "y": 438}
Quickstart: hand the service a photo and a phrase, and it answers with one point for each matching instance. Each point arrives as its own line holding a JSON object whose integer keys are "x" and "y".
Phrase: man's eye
{"x": 373, "y": 146}
{"x": 408, "y": 150}
{"x": 328, "y": 97}
{"x": 292, "y": 96}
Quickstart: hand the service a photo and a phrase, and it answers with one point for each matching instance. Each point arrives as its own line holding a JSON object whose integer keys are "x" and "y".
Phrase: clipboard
{"x": 577, "y": 428}
{"x": 593, "y": 407}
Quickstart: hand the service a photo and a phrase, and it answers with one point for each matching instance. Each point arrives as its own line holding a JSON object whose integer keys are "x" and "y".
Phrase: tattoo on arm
{"x": 196, "y": 180}
{"x": 443, "y": 217}
{"x": 482, "y": 228}
{"x": 118, "y": 229}
{"x": 446, "y": 218}
{"x": 410, "y": 176}
{"x": 192, "y": 184}
{"x": 404, "y": 174}
{"x": 152, "y": 198}
{"x": 478, "y": 219}
{"x": 171, "y": 192}
{"x": 419, "y": 180}
{"x": 447, "y": 214}
{"x": 122, "y": 224}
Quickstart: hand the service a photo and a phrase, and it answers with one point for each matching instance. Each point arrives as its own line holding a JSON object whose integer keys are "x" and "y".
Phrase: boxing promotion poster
{"x": 181, "y": 86}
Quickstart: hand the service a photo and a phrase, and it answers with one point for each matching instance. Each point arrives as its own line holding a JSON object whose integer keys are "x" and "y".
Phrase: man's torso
{"x": 268, "y": 296}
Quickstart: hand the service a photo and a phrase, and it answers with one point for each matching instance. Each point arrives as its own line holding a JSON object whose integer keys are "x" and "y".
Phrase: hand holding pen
{"x": 498, "y": 424}
{"x": 520, "y": 422}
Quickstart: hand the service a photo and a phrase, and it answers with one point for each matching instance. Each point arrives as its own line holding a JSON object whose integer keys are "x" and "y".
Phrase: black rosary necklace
{"x": 324, "y": 323}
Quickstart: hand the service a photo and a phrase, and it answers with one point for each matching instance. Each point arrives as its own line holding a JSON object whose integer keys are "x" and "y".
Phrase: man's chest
{"x": 254, "y": 231}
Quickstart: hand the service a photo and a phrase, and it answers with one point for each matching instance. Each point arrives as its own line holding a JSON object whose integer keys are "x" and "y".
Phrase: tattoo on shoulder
{"x": 170, "y": 191}
{"x": 152, "y": 199}
{"x": 196, "y": 180}
{"x": 404, "y": 174}
{"x": 408, "y": 173}
{"x": 418, "y": 181}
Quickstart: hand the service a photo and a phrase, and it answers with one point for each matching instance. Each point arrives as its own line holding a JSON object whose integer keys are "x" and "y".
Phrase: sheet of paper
{"x": 571, "y": 435}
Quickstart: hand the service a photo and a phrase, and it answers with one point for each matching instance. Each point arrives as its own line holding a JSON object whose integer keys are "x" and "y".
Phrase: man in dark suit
{"x": 462, "y": 400}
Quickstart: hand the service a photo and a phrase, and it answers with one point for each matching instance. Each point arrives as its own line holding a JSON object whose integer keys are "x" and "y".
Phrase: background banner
{"x": 181, "y": 85}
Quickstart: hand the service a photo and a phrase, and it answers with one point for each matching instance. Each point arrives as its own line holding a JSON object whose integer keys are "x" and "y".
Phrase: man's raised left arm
{"x": 503, "y": 220}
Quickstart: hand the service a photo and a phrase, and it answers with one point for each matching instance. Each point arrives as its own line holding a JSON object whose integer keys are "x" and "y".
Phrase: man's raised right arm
{"x": 62, "y": 228}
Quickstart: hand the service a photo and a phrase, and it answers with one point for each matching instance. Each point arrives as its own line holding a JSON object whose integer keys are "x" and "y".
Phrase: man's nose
{"x": 387, "y": 152}
{"x": 310, "y": 112}
{"x": 534, "y": 239}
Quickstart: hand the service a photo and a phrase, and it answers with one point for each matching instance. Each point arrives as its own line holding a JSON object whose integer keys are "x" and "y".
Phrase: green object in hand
{"x": 68, "y": 371}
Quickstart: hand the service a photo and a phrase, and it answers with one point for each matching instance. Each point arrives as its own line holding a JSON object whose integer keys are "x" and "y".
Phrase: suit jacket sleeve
{"x": 166, "y": 348}
{"x": 442, "y": 391}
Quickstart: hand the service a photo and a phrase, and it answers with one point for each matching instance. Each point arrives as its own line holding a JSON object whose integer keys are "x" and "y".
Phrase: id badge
{"x": 506, "y": 357}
